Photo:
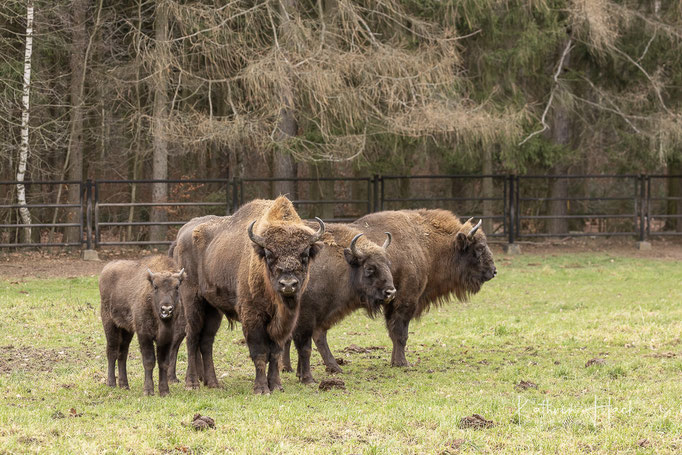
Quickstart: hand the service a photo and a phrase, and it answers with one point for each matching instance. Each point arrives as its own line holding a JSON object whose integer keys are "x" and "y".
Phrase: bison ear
{"x": 461, "y": 241}
{"x": 314, "y": 250}
{"x": 350, "y": 257}
{"x": 260, "y": 251}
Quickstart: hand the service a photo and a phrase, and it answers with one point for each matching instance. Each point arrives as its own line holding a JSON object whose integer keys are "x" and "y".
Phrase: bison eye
{"x": 156, "y": 288}
{"x": 369, "y": 271}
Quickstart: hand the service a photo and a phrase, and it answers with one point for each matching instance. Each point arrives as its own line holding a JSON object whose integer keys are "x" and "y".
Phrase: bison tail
{"x": 171, "y": 248}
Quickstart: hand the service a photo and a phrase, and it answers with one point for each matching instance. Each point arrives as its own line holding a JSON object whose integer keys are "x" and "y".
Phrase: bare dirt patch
{"x": 525, "y": 385}
{"x": 355, "y": 349}
{"x": 29, "y": 359}
{"x": 476, "y": 421}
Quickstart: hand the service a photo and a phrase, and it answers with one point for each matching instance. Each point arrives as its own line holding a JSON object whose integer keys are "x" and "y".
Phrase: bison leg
{"x": 286, "y": 357}
{"x": 256, "y": 339}
{"x": 163, "y": 355}
{"x": 212, "y": 320}
{"x": 330, "y": 362}
{"x": 113, "y": 335}
{"x": 126, "y": 338}
{"x": 274, "y": 381}
{"x": 304, "y": 349}
{"x": 148, "y": 360}
{"x": 194, "y": 315}
{"x": 178, "y": 336}
{"x": 398, "y": 325}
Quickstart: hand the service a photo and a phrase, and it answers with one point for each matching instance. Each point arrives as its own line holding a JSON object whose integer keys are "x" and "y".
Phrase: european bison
{"x": 350, "y": 272}
{"x": 252, "y": 267}
{"x": 436, "y": 256}
{"x": 185, "y": 236}
{"x": 140, "y": 297}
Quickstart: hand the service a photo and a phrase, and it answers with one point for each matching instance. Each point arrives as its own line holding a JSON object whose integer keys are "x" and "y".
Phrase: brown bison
{"x": 436, "y": 256}
{"x": 252, "y": 267}
{"x": 140, "y": 297}
{"x": 350, "y": 272}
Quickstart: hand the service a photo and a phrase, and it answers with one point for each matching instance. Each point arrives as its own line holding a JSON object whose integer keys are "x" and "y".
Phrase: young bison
{"x": 351, "y": 272}
{"x": 140, "y": 297}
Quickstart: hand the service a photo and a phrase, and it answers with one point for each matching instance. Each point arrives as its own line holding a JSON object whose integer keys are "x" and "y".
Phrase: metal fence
{"x": 120, "y": 212}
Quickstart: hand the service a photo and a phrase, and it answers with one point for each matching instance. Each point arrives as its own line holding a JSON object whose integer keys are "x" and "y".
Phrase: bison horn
{"x": 389, "y": 238}
{"x": 469, "y": 220}
{"x": 475, "y": 228}
{"x": 352, "y": 244}
{"x": 319, "y": 233}
{"x": 255, "y": 238}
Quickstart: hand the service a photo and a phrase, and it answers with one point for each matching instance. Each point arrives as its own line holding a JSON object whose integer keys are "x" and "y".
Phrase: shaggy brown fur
{"x": 341, "y": 282}
{"x": 259, "y": 285}
{"x": 433, "y": 259}
{"x": 133, "y": 300}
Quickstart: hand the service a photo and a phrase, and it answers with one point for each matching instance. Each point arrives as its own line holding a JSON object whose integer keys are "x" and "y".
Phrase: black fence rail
{"x": 121, "y": 212}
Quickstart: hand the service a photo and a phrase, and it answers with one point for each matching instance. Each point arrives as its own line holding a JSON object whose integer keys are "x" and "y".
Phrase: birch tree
{"x": 23, "y": 150}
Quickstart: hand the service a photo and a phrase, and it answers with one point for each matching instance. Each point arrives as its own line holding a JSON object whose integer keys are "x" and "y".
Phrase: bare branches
{"x": 560, "y": 66}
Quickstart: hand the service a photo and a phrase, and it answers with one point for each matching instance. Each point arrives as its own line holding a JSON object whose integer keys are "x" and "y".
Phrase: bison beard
{"x": 436, "y": 257}
{"x": 260, "y": 286}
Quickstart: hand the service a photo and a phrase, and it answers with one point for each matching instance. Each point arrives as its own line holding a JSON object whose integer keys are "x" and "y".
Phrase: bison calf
{"x": 140, "y": 297}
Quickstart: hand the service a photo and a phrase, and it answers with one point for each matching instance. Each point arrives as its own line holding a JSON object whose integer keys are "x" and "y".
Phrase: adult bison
{"x": 351, "y": 272}
{"x": 436, "y": 257}
{"x": 252, "y": 267}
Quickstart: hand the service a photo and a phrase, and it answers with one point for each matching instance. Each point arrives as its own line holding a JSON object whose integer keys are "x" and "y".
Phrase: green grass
{"x": 540, "y": 320}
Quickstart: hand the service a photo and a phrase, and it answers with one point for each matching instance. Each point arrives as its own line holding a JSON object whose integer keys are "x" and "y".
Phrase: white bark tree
{"x": 23, "y": 150}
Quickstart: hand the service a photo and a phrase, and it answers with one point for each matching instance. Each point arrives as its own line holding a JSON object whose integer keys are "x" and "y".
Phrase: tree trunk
{"x": 79, "y": 44}
{"x": 322, "y": 190}
{"x": 560, "y": 133}
{"x": 487, "y": 187}
{"x": 23, "y": 151}
{"x": 160, "y": 119}
{"x": 283, "y": 164}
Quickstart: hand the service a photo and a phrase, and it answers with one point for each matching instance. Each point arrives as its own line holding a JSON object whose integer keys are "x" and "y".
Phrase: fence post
{"x": 511, "y": 247}
{"x": 88, "y": 214}
{"x": 512, "y": 208}
{"x": 642, "y": 195}
{"x": 95, "y": 202}
{"x": 375, "y": 192}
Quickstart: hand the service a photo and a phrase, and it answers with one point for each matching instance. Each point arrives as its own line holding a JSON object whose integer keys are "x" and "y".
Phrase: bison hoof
{"x": 111, "y": 384}
{"x": 149, "y": 393}
{"x": 173, "y": 380}
{"x": 163, "y": 393}
{"x": 400, "y": 363}
{"x": 213, "y": 385}
{"x": 334, "y": 369}
{"x": 308, "y": 380}
{"x": 287, "y": 369}
{"x": 124, "y": 386}
{"x": 191, "y": 385}
{"x": 261, "y": 390}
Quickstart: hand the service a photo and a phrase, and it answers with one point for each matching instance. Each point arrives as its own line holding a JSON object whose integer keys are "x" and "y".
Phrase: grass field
{"x": 541, "y": 320}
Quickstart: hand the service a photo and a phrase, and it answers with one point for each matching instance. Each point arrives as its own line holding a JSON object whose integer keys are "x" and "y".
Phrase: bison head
{"x": 287, "y": 249}
{"x": 370, "y": 270}
{"x": 165, "y": 294}
{"x": 475, "y": 263}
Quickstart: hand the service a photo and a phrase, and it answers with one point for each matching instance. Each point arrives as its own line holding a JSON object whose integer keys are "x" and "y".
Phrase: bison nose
{"x": 166, "y": 311}
{"x": 389, "y": 294}
{"x": 288, "y": 285}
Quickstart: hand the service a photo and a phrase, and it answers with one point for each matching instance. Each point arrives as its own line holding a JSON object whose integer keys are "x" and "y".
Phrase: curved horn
{"x": 257, "y": 239}
{"x": 352, "y": 244}
{"x": 319, "y": 233}
{"x": 469, "y": 220}
{"x": 474, "y": 229}
{"x": 389, "y": 238}
{"x": 182, "y": 270}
